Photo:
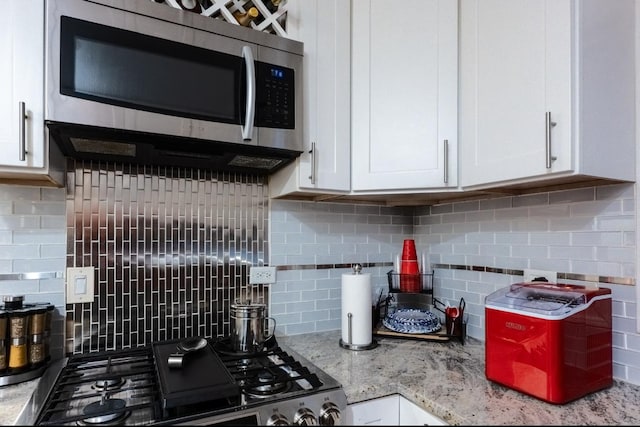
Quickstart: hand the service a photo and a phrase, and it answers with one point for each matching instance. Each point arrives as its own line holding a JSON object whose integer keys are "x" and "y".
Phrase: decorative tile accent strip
{"x": 172, "y": 249}
{"x": 32, "y": 276}
{"x": 565, "y": 276}
{"x": 331, "y": 266}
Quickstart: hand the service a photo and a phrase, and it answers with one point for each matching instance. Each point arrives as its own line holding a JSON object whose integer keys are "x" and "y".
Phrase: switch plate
{"x": 530, "y": 274}
{"x": 80, "y": 284}
{"x": 262, "y": 275}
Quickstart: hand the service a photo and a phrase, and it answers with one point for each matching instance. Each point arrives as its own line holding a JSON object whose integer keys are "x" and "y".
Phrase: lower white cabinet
{"x": 393, "y": 410}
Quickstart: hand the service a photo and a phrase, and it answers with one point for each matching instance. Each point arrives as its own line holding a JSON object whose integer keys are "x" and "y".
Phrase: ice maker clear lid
{"x": 539, "y": 298}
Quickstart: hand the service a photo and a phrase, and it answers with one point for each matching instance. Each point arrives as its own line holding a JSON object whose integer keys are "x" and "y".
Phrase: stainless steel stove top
{"x": 129, "y": 387}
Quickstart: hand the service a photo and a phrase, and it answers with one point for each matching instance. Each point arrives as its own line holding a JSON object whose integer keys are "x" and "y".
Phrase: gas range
{"x": 214, "y": 386}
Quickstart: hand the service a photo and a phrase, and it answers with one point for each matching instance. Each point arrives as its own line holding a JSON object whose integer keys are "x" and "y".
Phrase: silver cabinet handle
{"x": 446, "y": 161}
{"x": 22, "y": 130}
{"x": 250, "y": 108}
{"x": 312, "y": 177}
{"x": 548, "y": 125}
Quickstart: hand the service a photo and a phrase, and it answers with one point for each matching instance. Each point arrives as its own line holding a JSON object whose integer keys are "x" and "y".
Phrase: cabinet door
{"x": 325, "y": 29}
{"x": 515, "y": 72}
{"x": 22, "y": 83}
{"x": 404, "y": 94}
{"x": 378, "y": 412}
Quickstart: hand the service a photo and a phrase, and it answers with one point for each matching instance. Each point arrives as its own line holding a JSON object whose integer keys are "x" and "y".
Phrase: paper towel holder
{"x": 357, "y": 269}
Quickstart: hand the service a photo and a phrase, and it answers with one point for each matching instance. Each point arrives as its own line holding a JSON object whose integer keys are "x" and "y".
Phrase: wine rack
{"x": 272, "y": 18}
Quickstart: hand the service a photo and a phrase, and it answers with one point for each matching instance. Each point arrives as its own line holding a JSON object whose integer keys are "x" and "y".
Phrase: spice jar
{"x": 36, "y": 349}
{"x": 18, "y": 326}
{"x": 38, "y": 319}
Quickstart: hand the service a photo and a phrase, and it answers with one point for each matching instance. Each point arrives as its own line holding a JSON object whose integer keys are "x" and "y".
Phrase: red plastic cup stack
{"x": 410, "y": 278}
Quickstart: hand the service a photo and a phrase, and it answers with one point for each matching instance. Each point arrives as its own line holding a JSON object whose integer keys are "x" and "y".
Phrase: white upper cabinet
{"x": 404, "y": 95}
{"x": 23, "y": 140}
{"x": 22, "y": 84}
{"x": 546, "y": 91}
{"x": 325, "y": 166}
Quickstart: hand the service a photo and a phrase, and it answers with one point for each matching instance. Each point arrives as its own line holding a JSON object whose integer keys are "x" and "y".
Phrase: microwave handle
{"x": 250, "y": 108}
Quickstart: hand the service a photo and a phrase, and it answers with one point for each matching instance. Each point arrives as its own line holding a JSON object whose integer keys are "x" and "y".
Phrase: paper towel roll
{"x": 357, "y": 300}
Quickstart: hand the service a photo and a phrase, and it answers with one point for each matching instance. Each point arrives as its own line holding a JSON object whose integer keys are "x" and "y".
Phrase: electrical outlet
{"x": 530, "y": 275}
{"x": 262, "y": 275}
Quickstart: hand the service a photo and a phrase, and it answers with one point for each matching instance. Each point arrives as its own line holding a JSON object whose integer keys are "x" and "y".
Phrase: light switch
{"x": 80, "y": 283}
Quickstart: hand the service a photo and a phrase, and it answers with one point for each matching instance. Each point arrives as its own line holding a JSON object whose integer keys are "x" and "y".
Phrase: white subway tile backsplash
{"x": 550, "y": 211}
{"x": 597, "y": 208}
{"x": 573, "y": 252}
{"x": 466, "y": 206}
{"x": 529, "y": 251}
{"x": 512, "y": 238}
{"x": 572, "y": 224}
{"x": 621, "y": 223}
{"x": 19, "y": 287}
{"x": 314, "y": 316}
{"x": 466, "y": 249}
{"x": 328, "y": 325}
{"x": 25, "y": 207}
{"x": 496, "y": 226}
{"x": 530, "y": 200}
{"x": 572, "y": 196}
{"x": 6, "y": 208}
{"x": 20, "y": 251}
{"x": 548, "y": 239}
{"x": 6, "y": 236}
{"x": 19, "y": 192}
{"x": 595, "y": 238}
{"x": 615, "y": 254}
{"x": 18, "y": 222}
{"x": 39, "y": 236}
{"x": 300, "y": 328}
{"x": 298, "y": 286}
{"x": 300, "y": 306}
{"x": 530, "y": 225}
{"x": 629, "y": 358}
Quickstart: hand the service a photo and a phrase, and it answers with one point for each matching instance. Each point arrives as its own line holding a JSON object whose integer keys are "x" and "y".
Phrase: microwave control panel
{"x": 275, "y": 104}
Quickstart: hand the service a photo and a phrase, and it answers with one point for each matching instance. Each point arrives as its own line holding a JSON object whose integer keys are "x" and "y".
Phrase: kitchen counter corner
{"x": 14, "y": 397}
{"x": 448, "y": 380}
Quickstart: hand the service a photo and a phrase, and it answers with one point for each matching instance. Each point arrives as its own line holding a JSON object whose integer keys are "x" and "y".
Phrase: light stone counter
{"x": 13, "y": 398}
{"x": 448, "y": 380}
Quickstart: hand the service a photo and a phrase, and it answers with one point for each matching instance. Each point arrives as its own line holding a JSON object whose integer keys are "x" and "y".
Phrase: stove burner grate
{"x": 108, "y": 384}
{"x": 104, "y": 411}
{"x": 267, "y": 385}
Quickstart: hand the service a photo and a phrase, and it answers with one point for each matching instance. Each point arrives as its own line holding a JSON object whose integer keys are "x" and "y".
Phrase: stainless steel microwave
{"x": 138, "y": 81}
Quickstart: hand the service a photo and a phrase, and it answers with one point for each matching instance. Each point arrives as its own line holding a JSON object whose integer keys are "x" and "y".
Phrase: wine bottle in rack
{"x": 272, "y": 5}
{"x": 245, "y": 18}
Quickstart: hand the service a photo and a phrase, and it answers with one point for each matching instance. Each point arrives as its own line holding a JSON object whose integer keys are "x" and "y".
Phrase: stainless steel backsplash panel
{"x": 171, "y": 247}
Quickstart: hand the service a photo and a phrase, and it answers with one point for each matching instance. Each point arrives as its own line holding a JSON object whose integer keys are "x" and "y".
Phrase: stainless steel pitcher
{"x": 248, "y": 325}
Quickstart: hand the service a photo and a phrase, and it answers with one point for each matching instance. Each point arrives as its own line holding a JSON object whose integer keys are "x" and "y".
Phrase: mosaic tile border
{"x": 561, "y": 276}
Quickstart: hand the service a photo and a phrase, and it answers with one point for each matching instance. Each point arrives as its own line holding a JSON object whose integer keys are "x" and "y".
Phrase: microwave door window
{"x": 128, "y": 69}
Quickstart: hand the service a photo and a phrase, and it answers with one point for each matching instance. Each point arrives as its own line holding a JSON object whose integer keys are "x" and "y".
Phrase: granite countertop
{"x": 447, "y": 379}
{"x": 13, "y": 398}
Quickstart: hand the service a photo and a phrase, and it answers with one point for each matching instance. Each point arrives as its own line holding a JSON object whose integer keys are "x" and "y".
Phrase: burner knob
{"x": 277, "y": 420}
{"x": 330, "y": 414}
{"x": 305, "y": 417}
